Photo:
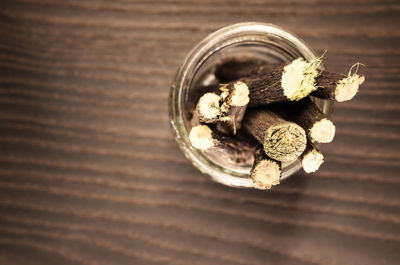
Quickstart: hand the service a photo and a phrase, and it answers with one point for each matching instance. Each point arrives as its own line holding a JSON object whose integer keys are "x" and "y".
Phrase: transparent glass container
{"x": 244, "y": 40}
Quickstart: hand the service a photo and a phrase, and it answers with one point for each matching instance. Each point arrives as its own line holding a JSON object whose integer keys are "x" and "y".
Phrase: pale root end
{"x": 266, "y": 174}
{"x": 209, "y": 106}
{"x": 285, "y": 142}
{"x": 323, "y": 131}
{"x": 312, "y": 161}
{"x": 240, "y": 94}
{"x": 201, "y": 137}
{"x": 298, "y": 79}
{"x": 238, "y": 97}
{"x": 347, "y": 87}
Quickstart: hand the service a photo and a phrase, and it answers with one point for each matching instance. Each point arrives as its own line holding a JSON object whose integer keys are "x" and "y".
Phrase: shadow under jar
{"x": 250, "y": 40}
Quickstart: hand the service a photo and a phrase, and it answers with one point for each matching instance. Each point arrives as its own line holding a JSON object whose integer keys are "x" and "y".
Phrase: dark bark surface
{"x": 304, "y": 112}
{"x": 257, "y": 122}
{"x": 327, "y": 82}
{"x": 266, "y": 90}
{"x": 234, "y": 69}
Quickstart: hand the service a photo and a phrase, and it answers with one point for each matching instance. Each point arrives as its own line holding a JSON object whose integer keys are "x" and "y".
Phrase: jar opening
{"x": 240, "y": 41}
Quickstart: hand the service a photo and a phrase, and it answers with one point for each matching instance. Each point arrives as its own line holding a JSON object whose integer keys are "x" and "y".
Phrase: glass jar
{"x": 250, "y": 40}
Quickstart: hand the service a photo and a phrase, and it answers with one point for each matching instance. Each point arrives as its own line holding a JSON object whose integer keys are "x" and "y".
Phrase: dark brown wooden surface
{"x": 90, "y": 173}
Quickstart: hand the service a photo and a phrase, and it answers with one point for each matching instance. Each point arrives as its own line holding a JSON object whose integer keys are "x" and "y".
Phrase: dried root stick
{"x": 265, "y": 172}
{"x": 228, "y": 108}
{"x": 235, "y": 98}
{"x": 208, "y": 108}
{"x": 330, "y": 85}
{"x": 312, "y": 158}
{"x": 231, "y": 150}
{"x": 317, "y": 125}
{"x": 282, "y": 83}
{"x": 338, "y": 87}
{"x": 282, "y": 140}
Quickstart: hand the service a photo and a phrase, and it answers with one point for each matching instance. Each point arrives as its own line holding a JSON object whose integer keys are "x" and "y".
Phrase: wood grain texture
{"x": 90, "y": 173}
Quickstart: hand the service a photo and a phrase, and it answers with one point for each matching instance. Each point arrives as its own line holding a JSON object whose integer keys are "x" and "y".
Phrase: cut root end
{"x": 285, "y": 142}
{"x": 240, "y": 94}
{"x": 201, "y": 137}
{"x": 209, "y": 106}
{"x": 323, "y": 131}
{"x": 347, "y": 88}
{"x": 266, "y": 174}
{"x": 298, "y": 78}
{"x": 312, "y": 161}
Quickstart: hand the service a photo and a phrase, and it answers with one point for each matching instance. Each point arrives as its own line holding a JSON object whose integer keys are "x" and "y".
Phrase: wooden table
{"x": 90, "y": 173}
